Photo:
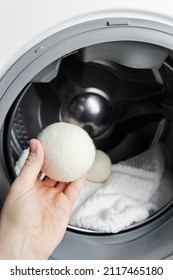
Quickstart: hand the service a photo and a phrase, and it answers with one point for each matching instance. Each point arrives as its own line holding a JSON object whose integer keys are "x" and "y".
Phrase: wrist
{"x": 15, "y": 247}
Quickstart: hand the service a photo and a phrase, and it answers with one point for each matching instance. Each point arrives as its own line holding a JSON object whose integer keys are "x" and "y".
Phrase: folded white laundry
{"x": 125, "y": 198}
{"x": 137, "y": 187}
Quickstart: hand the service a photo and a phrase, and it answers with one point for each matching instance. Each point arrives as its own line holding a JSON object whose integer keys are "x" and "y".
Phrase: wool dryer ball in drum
{"x": 69, "y": 151}
{"x": 101, "y": 169}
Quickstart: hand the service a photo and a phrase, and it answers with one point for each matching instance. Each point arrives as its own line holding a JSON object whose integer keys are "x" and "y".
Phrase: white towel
{"x": 19, "y": 164}
{"x": 137, "y": 187}
{"x": 125, "y": 198}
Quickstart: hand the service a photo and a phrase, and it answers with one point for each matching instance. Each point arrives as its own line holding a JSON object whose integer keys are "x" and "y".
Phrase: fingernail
{"x": 32, "y": 146}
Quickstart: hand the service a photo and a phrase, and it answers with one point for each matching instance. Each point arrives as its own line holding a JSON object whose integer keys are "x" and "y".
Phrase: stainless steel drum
{"x": 121, "y": 108}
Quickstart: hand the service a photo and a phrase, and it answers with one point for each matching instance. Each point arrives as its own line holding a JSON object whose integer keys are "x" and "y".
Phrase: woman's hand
{"x": 36, "y": 212}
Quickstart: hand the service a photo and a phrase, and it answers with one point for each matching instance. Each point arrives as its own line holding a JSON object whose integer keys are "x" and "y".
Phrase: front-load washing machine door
{"x": 122, "y": 61}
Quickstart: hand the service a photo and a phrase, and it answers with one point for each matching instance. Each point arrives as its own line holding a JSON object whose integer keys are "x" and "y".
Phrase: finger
{"x": 58, "y": 188}
{"x": 32, "y": 166}
{"x": 73, "y": 189}
{"x": 49, "y": 182}
{"x": 53, "y": 192}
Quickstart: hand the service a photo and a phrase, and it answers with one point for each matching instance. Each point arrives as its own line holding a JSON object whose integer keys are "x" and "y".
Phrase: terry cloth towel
{"x": 125, "y": 198}
{"x": 136, "y": 188}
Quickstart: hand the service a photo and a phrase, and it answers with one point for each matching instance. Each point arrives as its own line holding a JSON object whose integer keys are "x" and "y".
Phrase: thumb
{"x": 32, "y": 166}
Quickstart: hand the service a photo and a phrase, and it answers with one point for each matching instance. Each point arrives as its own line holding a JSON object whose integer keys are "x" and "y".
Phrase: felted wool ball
{"x": 69, "y": 151}
{"x": 101, "y": 168}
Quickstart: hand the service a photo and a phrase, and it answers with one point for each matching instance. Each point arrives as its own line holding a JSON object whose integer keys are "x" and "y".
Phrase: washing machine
{"x": 56, "y": 57}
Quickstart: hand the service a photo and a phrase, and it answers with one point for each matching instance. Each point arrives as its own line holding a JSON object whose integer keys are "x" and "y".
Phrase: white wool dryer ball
{"x": 69, "y": 151}
{"x": 101, "y": 168}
